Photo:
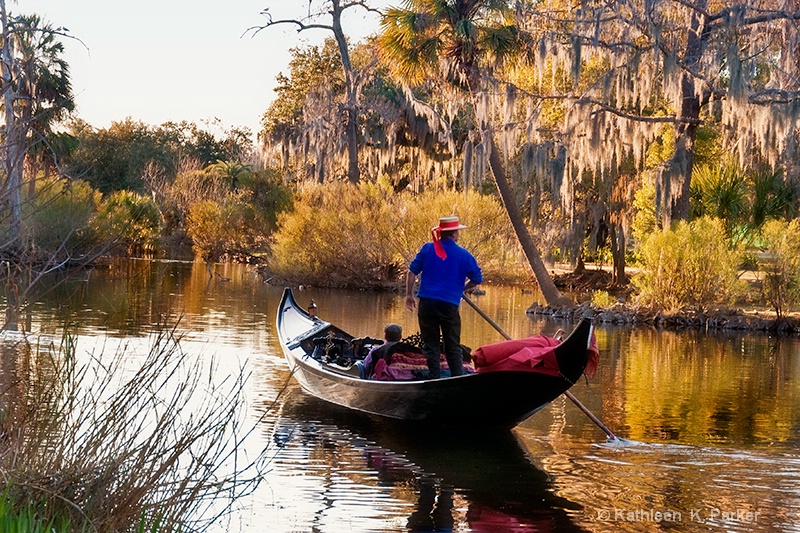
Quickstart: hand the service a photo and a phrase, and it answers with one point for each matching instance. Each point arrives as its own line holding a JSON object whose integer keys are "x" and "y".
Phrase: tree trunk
{"x": 674, "y": 178}
{"x": 33, "y": 168}
{"x": 353, "y": 173}
{"x": 580, "y": 265}
{"x": 15, "y": 154}
{"x": 551, "y": 294}
{"x": 351, "y": 106}
{"x": 14, "y": 148}
{"x": 618, "y": 255}
{"x": 285, "y": 151}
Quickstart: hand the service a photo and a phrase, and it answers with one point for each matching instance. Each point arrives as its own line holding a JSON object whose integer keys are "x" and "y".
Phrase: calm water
{"x": 712, "y": 424}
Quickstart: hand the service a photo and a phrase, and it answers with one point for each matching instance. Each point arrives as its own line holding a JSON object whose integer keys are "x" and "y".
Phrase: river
{"x": 710, "y": 425}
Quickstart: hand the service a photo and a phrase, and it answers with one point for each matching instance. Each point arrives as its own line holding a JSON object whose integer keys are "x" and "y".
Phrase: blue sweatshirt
{"x": 445, "y": 279}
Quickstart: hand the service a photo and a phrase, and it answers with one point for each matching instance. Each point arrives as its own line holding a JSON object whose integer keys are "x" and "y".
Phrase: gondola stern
{"x": 574, "y": 353}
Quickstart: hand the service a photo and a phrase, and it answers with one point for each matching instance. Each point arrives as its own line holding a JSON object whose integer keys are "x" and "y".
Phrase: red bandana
{"x": 437, "y": 243}
{"x": 437, "y": 236}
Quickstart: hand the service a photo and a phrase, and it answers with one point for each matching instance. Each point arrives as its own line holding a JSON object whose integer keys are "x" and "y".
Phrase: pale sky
{"x": 171, "y": 60}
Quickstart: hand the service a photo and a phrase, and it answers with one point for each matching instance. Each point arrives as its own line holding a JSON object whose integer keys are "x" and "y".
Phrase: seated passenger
{"x": 392, "y": 333}
{"x": 395, "y": 360}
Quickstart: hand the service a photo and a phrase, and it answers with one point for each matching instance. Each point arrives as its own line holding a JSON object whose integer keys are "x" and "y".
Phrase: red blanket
{"x": 404, "y": 365}
{"x": 534, "y": 354}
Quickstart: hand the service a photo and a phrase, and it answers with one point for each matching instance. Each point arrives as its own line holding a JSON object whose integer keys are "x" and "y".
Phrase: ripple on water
{"x": 695, "y": 488}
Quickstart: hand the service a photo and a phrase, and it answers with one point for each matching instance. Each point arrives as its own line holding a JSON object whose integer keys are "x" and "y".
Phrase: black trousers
{"x": 440, "y": 323}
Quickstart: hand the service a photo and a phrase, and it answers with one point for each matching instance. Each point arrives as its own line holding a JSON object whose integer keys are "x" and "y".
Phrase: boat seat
{"x": 330, "y": 349}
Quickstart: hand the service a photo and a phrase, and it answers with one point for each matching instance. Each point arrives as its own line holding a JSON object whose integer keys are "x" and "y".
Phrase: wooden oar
{"x": 567, "y": 393}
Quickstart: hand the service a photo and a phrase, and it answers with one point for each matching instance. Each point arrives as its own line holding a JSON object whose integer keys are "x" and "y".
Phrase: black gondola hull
{"x": 495, "y": 399}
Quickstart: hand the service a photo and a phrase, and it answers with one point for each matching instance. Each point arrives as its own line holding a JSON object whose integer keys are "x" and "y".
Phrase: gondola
{"x": 500, "y": 399}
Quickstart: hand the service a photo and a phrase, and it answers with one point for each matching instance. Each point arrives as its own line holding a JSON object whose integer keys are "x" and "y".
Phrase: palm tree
{"x": 45, "y": 88}
{"x": 460, "y": 42}
{"x": 13, "y": 148}
{"x": 230, "y": 171}
{"x": 36, "y": 92}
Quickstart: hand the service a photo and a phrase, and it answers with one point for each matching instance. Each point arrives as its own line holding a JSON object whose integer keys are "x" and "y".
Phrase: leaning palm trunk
{"x": 447, "y": 38}
{"x": 549, "y": 290}
{"x": 551, "y": 294}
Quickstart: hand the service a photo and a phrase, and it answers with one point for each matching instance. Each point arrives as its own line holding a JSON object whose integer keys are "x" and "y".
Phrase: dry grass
{"x": 111, "y": 448}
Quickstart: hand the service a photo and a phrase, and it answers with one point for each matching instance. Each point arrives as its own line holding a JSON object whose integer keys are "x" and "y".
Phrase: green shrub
{"x": 58, "y": 221}
{"x": 690, "y": 265}
{"x": 265, "y": 190}
{"x": 603, "y": 299}
{"x": 781, "y": 283}
{"x": 227, "y": 215}
{"x": 190, "y": 186}
{"x": 129, "y": 219}
{"x": 230, "y": 228}
{"x": 644, "y": 219}
{"x": 68, "y": 220}
{"x": 720, "y": 191}
{"x": 338, "y": 235}
{"x": 743, "y": 199}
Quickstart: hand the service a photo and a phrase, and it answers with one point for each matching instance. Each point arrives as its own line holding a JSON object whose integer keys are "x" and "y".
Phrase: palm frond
{"x": 500, "y": 43}
{"x": 447, "y": 38}
{"x": 408, "y": 45}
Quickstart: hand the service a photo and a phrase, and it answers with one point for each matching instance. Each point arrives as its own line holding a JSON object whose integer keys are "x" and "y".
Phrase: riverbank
{"x": 757, "y": 319}
{"x": 581, "y": 286}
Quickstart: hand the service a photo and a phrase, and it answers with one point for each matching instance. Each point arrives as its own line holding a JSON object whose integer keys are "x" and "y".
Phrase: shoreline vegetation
{"x": 749, "y": 319}
{"x": 691, "y": 275}
{"x": 755, "y": 319}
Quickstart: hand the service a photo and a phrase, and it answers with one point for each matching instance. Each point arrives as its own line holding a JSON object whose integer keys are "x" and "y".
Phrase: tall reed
{"x": 123, "y": 442}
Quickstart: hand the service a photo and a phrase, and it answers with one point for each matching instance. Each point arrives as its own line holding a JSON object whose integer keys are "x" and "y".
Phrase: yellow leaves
{"x": 781, "y": 284}
{"x": 365, "y": 236}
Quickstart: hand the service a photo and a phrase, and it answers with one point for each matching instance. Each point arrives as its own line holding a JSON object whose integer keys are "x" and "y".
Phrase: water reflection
{"x": 647, "y": 486}
{"x": 718, "y": 416}
{"x": 438, "y": 481}
{"x": 695, "y": 389}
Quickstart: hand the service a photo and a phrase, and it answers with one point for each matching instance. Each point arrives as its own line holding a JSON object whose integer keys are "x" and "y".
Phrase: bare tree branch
{"x": 774, "y": 96}
{"x": 301, "y": 26}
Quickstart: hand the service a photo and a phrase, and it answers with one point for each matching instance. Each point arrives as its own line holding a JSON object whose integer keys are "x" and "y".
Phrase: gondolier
{"x": 446, "y": 270}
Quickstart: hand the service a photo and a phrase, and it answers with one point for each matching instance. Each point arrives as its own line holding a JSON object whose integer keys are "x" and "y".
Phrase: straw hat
{"x": 445, "y": 224}
{"x": 450, "y": 224}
